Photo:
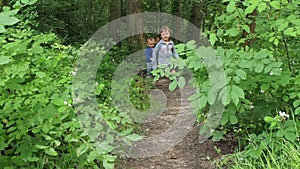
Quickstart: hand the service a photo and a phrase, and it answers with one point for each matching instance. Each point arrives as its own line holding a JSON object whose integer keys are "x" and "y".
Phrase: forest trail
{"x": 189, "y": 153}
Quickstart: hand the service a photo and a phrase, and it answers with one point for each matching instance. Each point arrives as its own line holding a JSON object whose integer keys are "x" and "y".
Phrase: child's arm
{"x": 154, "y": 56}
{"x": 175, "y": 54}
{"x": 148, "y": 54}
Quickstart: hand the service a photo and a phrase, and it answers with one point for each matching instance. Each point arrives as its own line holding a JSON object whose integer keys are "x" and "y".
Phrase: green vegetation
{"x": 257, "y": 42}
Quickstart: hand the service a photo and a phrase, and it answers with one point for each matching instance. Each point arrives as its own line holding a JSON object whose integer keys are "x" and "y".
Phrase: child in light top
{"x": 164, "y": 49}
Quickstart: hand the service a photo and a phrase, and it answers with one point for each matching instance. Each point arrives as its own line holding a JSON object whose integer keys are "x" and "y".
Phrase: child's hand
{"x": 173, "y": 71}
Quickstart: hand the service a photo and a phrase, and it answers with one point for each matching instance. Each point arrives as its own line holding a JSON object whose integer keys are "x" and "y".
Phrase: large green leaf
{"x": 4, "y": 60}
{"x": 2, "y": 29}
{"x": 8, "y": 20}
{"x": 231, "y": 6}
{"x": 173, "y": 85}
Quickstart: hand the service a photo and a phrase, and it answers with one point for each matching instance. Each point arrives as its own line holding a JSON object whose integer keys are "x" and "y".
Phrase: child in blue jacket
{"x": 148, "y": 54}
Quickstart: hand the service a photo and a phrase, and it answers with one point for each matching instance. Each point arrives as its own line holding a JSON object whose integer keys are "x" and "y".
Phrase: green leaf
{"x": 92, "y": 156}
{"x": 173, "y": 85}
{"x": 212, "y": 38}
{"x": 2, "y": 29}
{"x": 40, "y": 74}
{"x": 283, "y": 26}
{"x": 41, "y": 146}
{"x": 261, "y": 7}
{"x": 3, "y": 145}
{"x": 297, "y": 111}
{"x": 279, "y": 133}
{"x": 108, "y": 165}
{"x": 180, "y": 47}
{"x": 231, "y": 6}
{"x": 82, "y": 149}
{"x": 225, "y": 118}
{"x": 255, "y": 153}
{"x": 234, "y": 97}
{"x": 289, "y": 31}
{"x": 105, "y": 146}
{"x": 259, "y": 67}
{"x": 202, "y": 101}
{"x": 51, "y": 152}
{"x": 250, "y": 8}
{"x": 241, "y": 73}
{"x": 217, "y": 136}
{"x": 290, "y": 136}
{"x": 239, "y": 91}
{"x": 296, "y": 103}
{"x": 246, "y": 28}
{"x": 224, "y": 95}
{"x": 275, "y": 4}
{"x": 232, "y": 32}
{"x": 211, "y": 96}
{"x": 233, "y": 119}
{"x": 181, "y": 82}
{"x": 8, "y": 20}
{"x": 194, "y": 96}
{"x": 134, "y": 137}
{"x": 265, "y": 86}
{"x": 269, "y": 119}
{"x": 28, "y": 2}
{"x": 36, "y": 48}
{"x": 4, "y": 60}
{"x": 15, "y": 86}
{"x": 33, "y": 159}
{"x": 191, "y": 45}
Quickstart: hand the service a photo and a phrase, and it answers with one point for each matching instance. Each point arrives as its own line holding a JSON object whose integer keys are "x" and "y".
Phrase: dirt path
{"x": 188, "y": 153}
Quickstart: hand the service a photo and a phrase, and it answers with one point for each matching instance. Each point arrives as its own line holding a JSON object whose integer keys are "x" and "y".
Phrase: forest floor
{"x": 189, "y": 153}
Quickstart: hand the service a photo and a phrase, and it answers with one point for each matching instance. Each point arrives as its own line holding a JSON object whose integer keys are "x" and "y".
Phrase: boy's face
{"x": 151, "y": 43}
{"x": 165, "y": 35}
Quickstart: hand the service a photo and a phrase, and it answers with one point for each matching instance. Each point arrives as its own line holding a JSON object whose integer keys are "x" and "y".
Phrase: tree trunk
{"x": 115, "y": 13}
{"x": 252, "y": 28}
{"x": 176, "y": 11}
{"x": 2, "y": 3}
{"x": 196, "y": 19}
{"x": 135, "y": 24}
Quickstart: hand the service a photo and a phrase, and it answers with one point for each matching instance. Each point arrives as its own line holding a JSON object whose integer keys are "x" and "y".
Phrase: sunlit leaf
{"x": 4, "y": 60}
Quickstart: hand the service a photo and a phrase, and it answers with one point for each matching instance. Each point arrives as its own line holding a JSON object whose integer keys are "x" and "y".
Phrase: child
{"x": 164, "y": 50}
{"x": 148, "y": 54}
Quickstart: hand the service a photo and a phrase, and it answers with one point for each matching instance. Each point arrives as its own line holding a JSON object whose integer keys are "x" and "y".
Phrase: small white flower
{"x": 74, "y": 73}
{"x": 70, "y": 105}
{"x": 262, "y": 91}
{"x": 280, "y": 69}
{"x": 283, "y": 114}
{"x": 96, "y": 83}
{"x": 65, "y": 102}
{"x": 251, "y": 106}
{"x": 77, "y": 99}
{"x": 271, "y": 73}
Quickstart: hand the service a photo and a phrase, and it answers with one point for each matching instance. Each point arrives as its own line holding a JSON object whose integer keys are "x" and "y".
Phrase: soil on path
{"x": 189, "y": 153}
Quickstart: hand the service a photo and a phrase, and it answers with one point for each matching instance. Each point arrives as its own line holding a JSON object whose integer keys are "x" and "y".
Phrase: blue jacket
{"x": 148, "y": 54}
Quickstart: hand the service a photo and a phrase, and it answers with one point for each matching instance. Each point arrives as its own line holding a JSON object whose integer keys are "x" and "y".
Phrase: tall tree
{"x": 2, "y": 3}
{"x": 176, "y": 10}
{"x": 115, "y": 13}
{"x": 135, "y": 24}
{"x": 196, "y": 19}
